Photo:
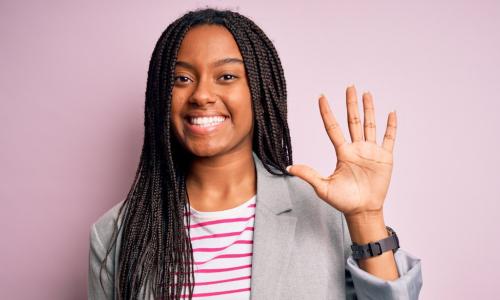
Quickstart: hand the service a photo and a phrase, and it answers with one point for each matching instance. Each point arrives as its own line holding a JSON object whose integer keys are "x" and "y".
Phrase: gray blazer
{"x": 301, "y": 250}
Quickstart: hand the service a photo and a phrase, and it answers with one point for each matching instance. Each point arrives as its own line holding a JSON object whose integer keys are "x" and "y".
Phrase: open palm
{"x": 362, "y": 175}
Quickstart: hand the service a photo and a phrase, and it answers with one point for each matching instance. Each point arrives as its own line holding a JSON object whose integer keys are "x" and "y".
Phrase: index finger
{"x": 331, "y": 125}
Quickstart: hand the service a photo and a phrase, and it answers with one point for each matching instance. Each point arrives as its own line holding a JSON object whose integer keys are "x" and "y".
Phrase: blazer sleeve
{"x": 97, "y": 253}
{"x": 363, "y": 285}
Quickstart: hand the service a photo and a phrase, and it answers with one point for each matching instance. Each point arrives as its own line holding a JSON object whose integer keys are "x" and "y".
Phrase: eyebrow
{"x": 220, "y": 62}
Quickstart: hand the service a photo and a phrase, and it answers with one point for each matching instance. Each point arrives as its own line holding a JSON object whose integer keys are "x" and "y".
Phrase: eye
{"x": 181, "y": 79}
{"x": 228, "y": 77}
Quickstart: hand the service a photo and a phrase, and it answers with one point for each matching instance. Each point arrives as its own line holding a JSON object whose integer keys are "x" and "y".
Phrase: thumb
{"x": 309, "y": 175}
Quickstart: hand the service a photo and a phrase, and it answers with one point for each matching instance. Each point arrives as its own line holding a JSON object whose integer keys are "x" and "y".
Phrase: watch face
{"x": 390, "y": 230}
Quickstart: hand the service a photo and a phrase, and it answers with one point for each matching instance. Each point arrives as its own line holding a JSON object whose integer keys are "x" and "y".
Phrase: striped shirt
{"x": 222, "y": 248}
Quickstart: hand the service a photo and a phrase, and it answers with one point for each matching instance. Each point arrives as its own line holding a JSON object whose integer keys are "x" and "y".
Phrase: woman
{"x": 217, "y": 210}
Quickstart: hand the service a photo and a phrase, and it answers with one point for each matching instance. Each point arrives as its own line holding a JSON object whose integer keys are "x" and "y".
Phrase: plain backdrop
{"x": 72, "y": 83}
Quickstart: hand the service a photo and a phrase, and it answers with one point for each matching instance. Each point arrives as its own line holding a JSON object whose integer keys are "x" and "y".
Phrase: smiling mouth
{"x": 205, "y": 125}
{"x": 208, "y": 121}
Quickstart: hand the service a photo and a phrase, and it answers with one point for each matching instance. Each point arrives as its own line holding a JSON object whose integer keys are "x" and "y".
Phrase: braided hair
{"x": 155, "y": 247}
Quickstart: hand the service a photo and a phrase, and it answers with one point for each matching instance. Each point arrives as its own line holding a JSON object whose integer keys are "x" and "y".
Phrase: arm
{"x": 362, "y": 285}
{"x": 358, "y": 187}
{"x": 367, "y": 228}
{"x": 96, "y": 256}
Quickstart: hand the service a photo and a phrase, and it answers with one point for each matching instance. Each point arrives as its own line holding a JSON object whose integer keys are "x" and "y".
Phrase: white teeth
{"x": 207, "y": 121}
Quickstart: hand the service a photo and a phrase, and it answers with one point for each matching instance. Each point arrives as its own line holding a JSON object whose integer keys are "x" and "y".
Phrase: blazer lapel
{"x": 273, "y": 234}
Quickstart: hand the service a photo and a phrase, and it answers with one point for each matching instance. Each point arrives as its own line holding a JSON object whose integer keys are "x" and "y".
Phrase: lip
{"x": 198, "y": 130}
{"x": 197, "y": 114}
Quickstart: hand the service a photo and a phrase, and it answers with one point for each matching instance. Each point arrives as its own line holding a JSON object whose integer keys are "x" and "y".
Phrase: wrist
{"x": 365, "y": 217}
{"x": 366, "y": 227}
{"x": 375, "y": 249}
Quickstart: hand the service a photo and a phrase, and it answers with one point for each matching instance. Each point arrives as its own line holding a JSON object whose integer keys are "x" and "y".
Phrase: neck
{"x": 221, "y": 182}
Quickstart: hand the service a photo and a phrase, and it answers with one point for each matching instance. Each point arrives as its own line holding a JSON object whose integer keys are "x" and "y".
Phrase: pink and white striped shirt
{"x": 222, "y": 248}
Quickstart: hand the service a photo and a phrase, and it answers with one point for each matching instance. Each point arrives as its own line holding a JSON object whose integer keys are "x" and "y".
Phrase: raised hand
{"x": 360, "y": 181}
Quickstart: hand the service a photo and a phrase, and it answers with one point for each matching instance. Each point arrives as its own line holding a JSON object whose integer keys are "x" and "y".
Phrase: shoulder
{"x": 317, "y": 221}
{"x": 303, "y": 195}
{"x": 308, "y": 206}
{"x": 299, "y": 187}
{"x": 101, "y": 233}
{"x": 102, "y": 229}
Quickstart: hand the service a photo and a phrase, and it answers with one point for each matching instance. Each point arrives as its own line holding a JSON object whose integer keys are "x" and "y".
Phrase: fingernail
{"x": 322, "y": 95}
{"x": 288, "y": 168}
{"x": 350, "y": 85}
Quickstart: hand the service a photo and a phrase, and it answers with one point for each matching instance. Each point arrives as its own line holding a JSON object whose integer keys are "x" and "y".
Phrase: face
{"x": 211, "y": 101}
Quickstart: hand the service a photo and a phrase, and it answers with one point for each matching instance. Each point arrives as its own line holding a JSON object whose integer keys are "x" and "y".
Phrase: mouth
{"x": 200, "y": 125}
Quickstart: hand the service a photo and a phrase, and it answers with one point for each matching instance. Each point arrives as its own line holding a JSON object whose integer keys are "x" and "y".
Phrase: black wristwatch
{"x": 376, "y": 248}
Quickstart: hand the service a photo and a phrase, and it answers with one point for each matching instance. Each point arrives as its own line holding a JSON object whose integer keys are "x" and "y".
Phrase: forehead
{"x": 206, "y": 43}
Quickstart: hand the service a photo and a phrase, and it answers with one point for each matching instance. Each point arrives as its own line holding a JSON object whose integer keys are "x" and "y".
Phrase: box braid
{"x": 155, "y": 250}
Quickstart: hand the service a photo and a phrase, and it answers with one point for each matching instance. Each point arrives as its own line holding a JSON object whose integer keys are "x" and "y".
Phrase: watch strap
{"x": 376, "y": 248}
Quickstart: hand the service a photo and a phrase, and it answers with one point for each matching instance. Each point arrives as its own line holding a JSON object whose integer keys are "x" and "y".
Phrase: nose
{"x": 203, "y": 93}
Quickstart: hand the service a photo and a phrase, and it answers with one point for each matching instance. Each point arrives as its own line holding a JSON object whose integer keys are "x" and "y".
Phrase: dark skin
{"x": 212, "y": 119}
{"x": 211, "y": 81}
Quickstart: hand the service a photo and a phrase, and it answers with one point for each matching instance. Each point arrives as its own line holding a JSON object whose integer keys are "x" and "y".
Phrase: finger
{"x": 353, "y": 114}
{"x": 332, "y": 127}
{"x": 309, "y": 175}
{"x": 390, "y": 132}
{"x": 369, "y": 118}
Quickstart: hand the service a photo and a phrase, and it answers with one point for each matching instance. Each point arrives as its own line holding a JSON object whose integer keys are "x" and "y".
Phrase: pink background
{"x": 72, "y": 83}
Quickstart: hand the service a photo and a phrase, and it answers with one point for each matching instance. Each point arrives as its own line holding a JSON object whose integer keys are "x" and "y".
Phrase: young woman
{"x": 218, "y": 211}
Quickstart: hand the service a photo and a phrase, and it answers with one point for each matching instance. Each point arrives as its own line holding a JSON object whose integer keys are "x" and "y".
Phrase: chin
{"x": 205, "y": 151}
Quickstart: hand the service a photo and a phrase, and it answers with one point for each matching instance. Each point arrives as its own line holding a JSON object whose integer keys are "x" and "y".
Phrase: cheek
{"x": 248, "y": 111}
{"x": 175, "y": 119}
{"x": 244, "y": 107}
{"x": 243, "y": 112}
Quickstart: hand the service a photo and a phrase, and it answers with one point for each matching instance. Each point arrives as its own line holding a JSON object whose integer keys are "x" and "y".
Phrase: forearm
{"x": 370, "y": 227}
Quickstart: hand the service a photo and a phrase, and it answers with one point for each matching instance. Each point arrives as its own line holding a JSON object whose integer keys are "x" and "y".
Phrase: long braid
{"x": 155, "y": 249}
{"x": 271, "y": 83}
{"x": 172, "y": 262}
